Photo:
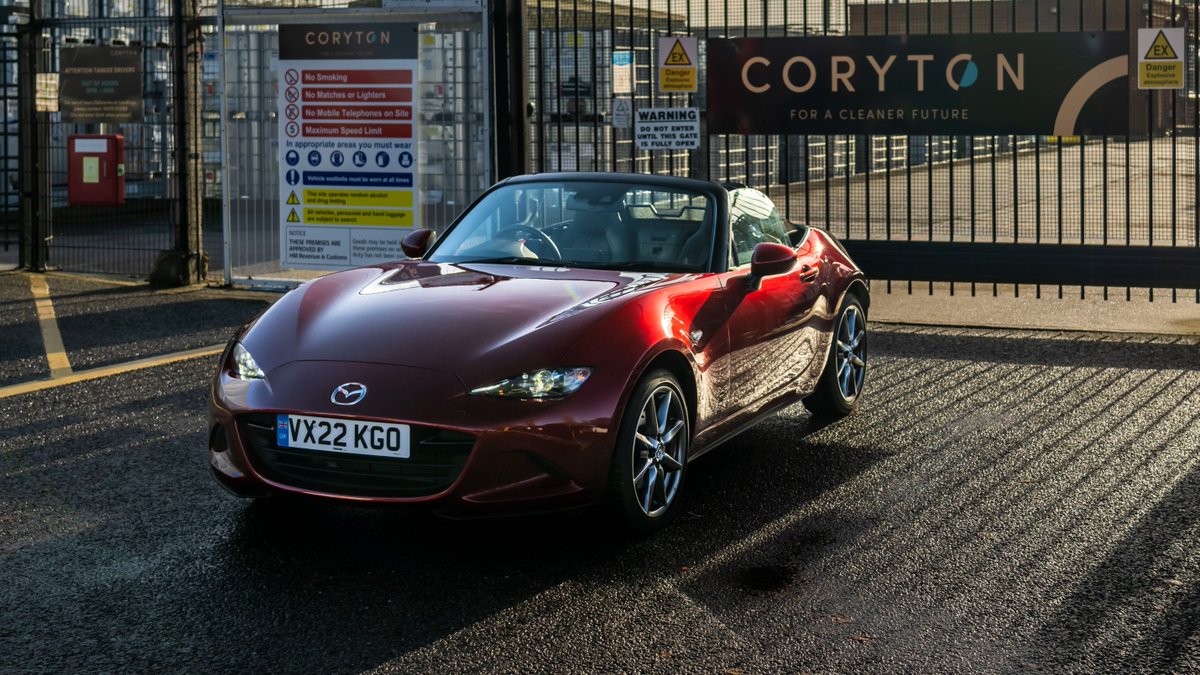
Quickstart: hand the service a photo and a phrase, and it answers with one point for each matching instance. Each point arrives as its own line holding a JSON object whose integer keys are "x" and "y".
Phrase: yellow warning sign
{"x": 380, "y": 217}
{"x": 292, "y": 198}
{"x": 677, "y": 64}
{"x": 1161, "y": 49}
{"x": 677, "y": 56}
{"x": 383, "y": 198}
{"x": 677, "y": 79}
{"x": 292, "y": 217}
{"x": 1159, "y": 63}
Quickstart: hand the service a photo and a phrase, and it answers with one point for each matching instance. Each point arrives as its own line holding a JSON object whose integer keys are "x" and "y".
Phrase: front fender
{"x": 678, "y": 330}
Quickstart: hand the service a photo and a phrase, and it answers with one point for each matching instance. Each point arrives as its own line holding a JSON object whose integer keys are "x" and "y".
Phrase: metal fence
{"x": 160, "y": 198}
{"x": 10, "y": 215}
{"x": 452, "y": 116}
{"x": 1114, "y": 211}
{"x": 1075, "y": 211}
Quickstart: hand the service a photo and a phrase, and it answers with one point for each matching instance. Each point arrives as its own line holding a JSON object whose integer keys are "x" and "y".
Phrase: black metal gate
{"x": 1112, "y": 212}
{"x": 10, "y": 214}
{"x": 163, "y": 202}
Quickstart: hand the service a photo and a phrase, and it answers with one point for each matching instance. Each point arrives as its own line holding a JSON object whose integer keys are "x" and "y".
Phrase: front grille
{"x": 436, "y": 459}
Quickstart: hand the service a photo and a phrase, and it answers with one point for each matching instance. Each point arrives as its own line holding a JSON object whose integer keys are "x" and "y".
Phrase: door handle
{"x": 809, "y": 272}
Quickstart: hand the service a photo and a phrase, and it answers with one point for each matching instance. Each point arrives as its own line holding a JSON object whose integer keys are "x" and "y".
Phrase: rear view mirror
{"x": 417, "y": 243}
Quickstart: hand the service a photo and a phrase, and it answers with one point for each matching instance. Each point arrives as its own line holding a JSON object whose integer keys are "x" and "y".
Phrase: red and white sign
{"x": 347, "y": 144}
{"x": 358, "y": 130}
{"x": 358, "y": 94}
{"x": 357, "y": 112}
{"x": 339, "y": 77}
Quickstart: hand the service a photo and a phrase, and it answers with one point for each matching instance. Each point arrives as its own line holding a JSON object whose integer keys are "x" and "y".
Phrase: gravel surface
{"x": 22, "y": 356}
{"x": 1004, "y": 501}
{"x": 103, "y": 324}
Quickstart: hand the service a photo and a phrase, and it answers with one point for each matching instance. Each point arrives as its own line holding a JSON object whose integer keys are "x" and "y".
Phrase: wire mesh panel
{"x": 451, "y": 112}
{"x": 10, "y": 216}
{"x": 1137, "y": 191}
{"x": 120, "y": 238}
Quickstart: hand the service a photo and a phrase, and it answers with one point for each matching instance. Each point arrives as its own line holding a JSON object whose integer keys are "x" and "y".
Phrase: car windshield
{"x": 593, "y": 224}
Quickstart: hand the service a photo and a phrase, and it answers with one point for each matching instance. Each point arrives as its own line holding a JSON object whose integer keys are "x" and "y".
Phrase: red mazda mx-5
{"x": 571, "y": 339}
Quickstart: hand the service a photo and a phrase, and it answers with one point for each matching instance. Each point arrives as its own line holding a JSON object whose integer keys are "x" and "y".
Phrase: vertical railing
{"x": 1115, "y": 191}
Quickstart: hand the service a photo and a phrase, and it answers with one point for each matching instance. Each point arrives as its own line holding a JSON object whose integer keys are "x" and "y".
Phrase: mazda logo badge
{"x": 349, "y": 393}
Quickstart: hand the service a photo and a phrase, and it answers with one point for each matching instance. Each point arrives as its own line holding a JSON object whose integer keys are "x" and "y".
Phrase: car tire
{"x": 650, "y": 459}
{"x": 841, "y": 384}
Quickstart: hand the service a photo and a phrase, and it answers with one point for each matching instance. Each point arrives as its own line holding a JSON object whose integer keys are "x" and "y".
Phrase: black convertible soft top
{"x": 614, "y": 177}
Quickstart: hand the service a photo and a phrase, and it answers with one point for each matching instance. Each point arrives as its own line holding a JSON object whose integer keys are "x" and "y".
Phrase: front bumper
{"x": 471, "y": 455}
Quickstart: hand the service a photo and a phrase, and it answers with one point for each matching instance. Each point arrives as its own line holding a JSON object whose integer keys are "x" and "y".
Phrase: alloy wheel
{"x": 851, "y": 353}
{"x": 659, "y": 450}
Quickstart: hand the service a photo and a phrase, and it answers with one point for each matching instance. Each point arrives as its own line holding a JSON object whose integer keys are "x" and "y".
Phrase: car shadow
{"x": 386, "y": 582}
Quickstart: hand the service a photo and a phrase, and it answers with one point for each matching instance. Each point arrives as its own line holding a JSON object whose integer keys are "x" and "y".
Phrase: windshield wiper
{"x": 641, "y": 265}
{"x": 507, "y": 260}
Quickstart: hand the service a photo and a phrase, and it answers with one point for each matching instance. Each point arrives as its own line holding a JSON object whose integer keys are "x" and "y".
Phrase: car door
{"x": 773, "y": 342}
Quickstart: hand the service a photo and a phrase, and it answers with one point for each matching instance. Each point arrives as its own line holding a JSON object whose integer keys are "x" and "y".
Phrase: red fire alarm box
{"x": 95, "y": 169}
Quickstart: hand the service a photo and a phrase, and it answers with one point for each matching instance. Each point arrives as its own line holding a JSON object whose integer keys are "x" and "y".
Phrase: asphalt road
{"x": 103, "y": 323}
{"x": 1004, "y": 501}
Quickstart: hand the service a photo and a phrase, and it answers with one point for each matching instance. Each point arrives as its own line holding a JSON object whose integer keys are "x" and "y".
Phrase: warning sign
{"x": 1160, "y": 49}
{"x": 667, "y": 128}
{"x": 366, "y": 217}
{"x": 622, "y": 117}
{"x": 348, "y": 143}
{"x": 1160, "y": 64}
{"x": 678, "y": 56}
{"x": 677, "y": 59}
{"x": 401, "y": 199}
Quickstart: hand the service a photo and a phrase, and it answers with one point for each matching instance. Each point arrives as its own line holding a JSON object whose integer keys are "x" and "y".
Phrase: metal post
{"x": 226, "y": 210}
{"x": 186, "y": 263}
{"x": 507, "y": 57}
{"x": 34, "y": 161}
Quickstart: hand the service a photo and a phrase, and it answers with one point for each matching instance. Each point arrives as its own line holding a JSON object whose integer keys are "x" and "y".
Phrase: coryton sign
{"x": 1029, "y": 83}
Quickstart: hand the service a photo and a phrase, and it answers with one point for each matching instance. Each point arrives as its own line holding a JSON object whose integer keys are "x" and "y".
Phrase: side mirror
{"x": 417, "y": 243}
{"x": 769, "y": 259}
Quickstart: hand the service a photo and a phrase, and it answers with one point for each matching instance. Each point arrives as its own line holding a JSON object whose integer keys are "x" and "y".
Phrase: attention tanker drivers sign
{"x": 348, "y": 156}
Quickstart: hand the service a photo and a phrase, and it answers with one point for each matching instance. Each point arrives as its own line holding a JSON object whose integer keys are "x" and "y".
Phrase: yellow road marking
{"x": 107, "y": 371}
{"x": 56, "y": 353}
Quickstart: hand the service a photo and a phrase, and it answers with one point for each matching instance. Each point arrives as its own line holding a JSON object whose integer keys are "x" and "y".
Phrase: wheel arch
{"x": 859, "y": 289}
{"x": 674, "y": 362}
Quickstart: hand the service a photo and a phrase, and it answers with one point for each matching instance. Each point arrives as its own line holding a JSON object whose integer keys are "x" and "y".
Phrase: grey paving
{"x": 1112, "y": 193}
{"x": 1004, "y": 501}
{"x": 1158, "y": 311}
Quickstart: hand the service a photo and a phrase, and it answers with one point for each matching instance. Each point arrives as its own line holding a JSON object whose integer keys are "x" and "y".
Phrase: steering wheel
{"x": 528, "y": 233}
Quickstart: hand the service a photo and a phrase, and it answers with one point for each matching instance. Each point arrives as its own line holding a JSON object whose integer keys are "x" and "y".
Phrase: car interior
{"x": 617, "y": 224}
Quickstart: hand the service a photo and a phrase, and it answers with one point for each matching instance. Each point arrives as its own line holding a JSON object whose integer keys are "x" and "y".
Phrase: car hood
{"x": 473, "y": 320}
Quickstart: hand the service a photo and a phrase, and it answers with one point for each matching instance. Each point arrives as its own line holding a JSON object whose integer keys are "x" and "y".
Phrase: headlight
{"x": 244, "y": 367}
{"x": 538, "y": 384}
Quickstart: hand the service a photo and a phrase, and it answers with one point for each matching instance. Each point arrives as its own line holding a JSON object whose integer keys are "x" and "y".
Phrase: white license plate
{"x": 379, "y": 439}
